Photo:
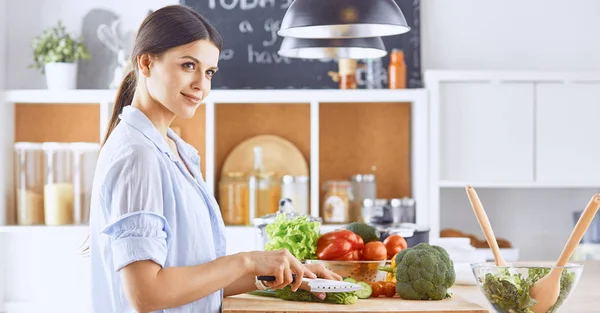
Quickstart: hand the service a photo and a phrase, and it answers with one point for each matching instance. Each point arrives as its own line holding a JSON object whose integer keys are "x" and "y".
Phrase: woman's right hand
{"x": 279, "y": 263}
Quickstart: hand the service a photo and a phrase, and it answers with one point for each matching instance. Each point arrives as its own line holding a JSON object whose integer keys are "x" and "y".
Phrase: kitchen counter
{"x": 467, "y": 299}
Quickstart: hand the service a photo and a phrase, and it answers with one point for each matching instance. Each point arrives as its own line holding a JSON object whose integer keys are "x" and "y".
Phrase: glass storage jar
{"x": 29, "y": 183}
{"x": 296, "y": 189}
{"x": 336, "y": 202}
{"x": 85, "y": 156}
{"x": 58, "y": 187}
{"x": 233, "y": 198}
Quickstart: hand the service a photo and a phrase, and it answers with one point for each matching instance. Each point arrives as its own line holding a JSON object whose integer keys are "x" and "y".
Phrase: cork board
{"x": 81, "y": 122}
{"x": 366, "y": 138}
{"x": 238, "y": 122}
{"x": 57, "y": 122}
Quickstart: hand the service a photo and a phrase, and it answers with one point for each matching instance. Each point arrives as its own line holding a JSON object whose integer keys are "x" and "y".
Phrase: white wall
{"x": 511, "y": 34}
{"x": 80, "y": 18}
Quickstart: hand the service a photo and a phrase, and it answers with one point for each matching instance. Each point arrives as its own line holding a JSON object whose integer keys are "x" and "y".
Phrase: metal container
{"x": 364, "y": 186}
{"x": 296, "y": 188}
{"x": 285, "y": 206}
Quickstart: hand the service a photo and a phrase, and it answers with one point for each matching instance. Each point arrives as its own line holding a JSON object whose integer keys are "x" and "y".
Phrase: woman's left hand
{"x": 321, "y": 272}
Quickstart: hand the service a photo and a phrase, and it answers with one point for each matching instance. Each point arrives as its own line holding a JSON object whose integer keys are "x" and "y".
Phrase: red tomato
{"x": 377, "y": 291}
{"x": 374, "y": 251}
{"x": 389, "y": 289}
{"x": 394, "y": 244}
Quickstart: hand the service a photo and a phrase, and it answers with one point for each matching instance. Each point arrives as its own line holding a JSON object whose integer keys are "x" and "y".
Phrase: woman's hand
{"x": 281, "y": 264}
{"x": 321, "y": 272}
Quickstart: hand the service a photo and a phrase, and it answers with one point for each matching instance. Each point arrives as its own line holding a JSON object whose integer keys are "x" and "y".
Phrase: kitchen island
{"x": 467, "y": 299}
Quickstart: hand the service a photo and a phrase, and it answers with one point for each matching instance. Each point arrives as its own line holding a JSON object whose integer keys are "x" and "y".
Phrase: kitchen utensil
{"x": 485, "y": 224}
{"x": 109, "y": 36}
{"x": 367, "y": 271}
{"x": 279, "y": 155}
{"x": 546, "y": 290}
{"x": 320, "y": 284}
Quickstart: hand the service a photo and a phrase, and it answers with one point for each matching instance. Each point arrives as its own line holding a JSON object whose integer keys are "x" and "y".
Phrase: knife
{"x": 320, "y": 284}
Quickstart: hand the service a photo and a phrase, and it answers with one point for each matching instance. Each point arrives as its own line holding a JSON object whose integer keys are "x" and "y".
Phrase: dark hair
{"x": 163, "y": 29}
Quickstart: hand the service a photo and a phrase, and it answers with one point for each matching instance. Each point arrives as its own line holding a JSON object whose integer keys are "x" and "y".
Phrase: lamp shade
{"x": 343, "y": 19}
{"x": 336, "y": 48}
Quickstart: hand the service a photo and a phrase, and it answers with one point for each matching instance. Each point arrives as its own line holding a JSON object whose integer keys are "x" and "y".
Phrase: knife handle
{"x": 272, "y": 278}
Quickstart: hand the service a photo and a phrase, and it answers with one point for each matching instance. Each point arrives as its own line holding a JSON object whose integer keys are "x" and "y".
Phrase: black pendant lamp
{"x": 343, "y": 19}
{"x": 336, "y": 48}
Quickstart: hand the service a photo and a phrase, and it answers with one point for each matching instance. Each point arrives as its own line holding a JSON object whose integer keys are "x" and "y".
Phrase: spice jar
{"x": 336, "y": 202}
{"x": 233, "y": 198}
{"x": 347, "y": 72}
{"x": 29, "y": 183}
{"x": 85, "y": 156}
{"x": 58, "y": 188}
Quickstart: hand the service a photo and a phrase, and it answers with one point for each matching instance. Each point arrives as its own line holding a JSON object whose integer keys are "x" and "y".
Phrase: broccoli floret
{"x": 424, "y": 272}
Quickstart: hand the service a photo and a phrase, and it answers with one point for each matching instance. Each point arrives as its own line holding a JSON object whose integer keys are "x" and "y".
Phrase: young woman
{"x": 157, "y": 237}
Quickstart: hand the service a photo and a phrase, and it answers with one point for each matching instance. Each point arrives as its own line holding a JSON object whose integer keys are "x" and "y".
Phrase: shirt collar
{"x": 138, "y": 120}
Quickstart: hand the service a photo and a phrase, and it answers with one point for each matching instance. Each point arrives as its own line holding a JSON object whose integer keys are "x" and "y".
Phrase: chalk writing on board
{"x": 249, "y": 58}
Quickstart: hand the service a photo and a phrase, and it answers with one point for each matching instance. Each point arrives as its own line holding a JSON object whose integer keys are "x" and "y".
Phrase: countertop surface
{"x": 467, "y": 299}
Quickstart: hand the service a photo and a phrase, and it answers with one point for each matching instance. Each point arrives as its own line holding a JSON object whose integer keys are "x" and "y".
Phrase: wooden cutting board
{"x": 250, "y": 304}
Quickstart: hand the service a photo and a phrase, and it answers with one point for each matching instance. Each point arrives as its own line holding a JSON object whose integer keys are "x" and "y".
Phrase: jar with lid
{"x": 29, "y": 183}
{"x": 58, "y": 187}
{"x": 364, "y": 186}
{"x": 296, "y": 189}
{"x": 336, "y": 202}
{"x": 397, "y": 70}
{"x": 85, "y": 156}
{"x": 233, "y": 198}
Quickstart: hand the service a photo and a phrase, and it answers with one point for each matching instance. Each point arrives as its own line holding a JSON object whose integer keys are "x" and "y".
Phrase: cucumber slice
{"x": 365, "y": 292}
{"x": 350, "y": 280}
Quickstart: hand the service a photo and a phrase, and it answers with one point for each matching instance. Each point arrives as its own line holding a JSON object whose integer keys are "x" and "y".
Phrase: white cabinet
{"x": 568, "y": 122}
{"x": 486, "y": 132}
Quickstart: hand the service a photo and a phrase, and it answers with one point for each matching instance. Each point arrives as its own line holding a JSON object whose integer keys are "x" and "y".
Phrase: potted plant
{"x": 56, "y": 54}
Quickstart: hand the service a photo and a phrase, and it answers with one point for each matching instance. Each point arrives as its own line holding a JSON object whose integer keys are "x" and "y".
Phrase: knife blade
{"x": 320, "y": 284}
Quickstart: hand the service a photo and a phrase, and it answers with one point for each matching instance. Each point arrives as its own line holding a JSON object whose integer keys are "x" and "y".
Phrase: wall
{"x": 80, "y": 18}
{"x": 511, "y": 34}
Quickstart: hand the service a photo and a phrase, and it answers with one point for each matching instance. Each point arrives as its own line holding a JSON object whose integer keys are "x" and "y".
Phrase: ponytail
{"x": 123, "y": 99}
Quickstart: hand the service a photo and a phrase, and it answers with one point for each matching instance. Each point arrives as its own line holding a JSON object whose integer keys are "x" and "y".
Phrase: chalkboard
{"x": 249, "y": 59}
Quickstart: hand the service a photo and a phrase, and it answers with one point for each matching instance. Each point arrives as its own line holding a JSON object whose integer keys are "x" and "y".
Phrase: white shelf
{"x": 462, "y": 184}
{"x": 228, "y": 96}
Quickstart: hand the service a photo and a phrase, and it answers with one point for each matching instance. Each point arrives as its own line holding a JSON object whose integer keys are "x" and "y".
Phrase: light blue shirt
{"x": 145, "y": 205}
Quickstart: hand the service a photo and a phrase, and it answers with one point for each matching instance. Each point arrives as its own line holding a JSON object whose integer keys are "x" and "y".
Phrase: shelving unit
{"x": 314, "y": 99}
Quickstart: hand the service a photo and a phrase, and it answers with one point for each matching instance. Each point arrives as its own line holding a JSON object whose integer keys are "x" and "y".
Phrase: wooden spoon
{"x": 485, "y": 224}
{"x": 546, "y": 290}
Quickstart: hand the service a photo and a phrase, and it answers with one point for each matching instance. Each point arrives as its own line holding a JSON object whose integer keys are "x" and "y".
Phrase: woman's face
{"x": 180, "y": 78}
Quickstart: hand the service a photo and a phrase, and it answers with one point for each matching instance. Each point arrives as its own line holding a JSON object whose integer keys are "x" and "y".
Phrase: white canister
{"x": 85, "y": 156}
{"x": 58, "y": 185}
{"x": 296, "y": 189}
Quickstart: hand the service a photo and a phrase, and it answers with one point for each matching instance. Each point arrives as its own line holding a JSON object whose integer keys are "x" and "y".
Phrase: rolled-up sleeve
{"x": 133, "y": 199}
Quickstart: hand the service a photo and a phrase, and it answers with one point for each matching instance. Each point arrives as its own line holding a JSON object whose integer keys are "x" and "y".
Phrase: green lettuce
{"x": 298, "y": 235}
{"x": 509, "y": 293}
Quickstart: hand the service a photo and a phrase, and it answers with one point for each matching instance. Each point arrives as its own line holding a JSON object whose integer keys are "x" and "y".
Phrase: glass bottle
{"x": 262, "y": 190}
{"x": 397, "y": 70}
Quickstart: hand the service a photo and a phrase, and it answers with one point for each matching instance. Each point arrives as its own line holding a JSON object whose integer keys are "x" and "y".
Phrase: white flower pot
{"x": 61, "y": 76}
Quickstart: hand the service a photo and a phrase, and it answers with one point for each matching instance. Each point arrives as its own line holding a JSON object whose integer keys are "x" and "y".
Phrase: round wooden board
{"x": 279, "y": 155}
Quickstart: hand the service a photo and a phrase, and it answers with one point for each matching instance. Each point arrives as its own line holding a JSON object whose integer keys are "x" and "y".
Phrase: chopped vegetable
{"x": 339, "y": 245}
{"x": 350, "y": 280}
{"x": 298, "y": 235}
{"x": 424, "y": 272}
{"x": 286, "y": 293}
{"x": 365, "y": 292}
{"x": 509, "y": 292}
